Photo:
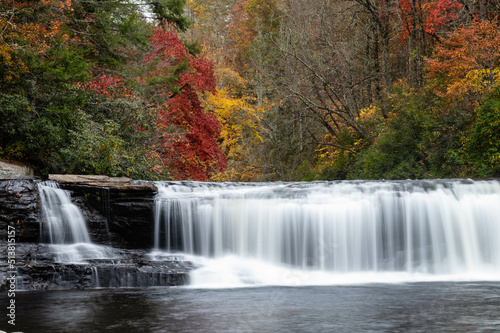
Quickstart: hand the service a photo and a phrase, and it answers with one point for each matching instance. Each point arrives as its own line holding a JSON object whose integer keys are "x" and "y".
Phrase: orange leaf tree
{"x": 465, "y": 72}
{"x": 465, "y": 66}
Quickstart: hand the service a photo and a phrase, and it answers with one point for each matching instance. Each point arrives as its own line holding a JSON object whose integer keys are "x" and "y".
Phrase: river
{"x": 406, "y": 256}
{"x": 394, "y": 307}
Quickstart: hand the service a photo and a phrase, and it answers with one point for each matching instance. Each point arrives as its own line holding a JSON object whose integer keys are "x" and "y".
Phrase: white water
{"x": 64, "y": 227}
{"x": 63, "y": 222}
{"x": 80, "y": 253}
{"x": 237, "y": 272}
{"x": 332, "y": 233}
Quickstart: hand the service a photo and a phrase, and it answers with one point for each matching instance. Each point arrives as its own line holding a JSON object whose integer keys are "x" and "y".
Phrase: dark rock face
{"x": 119, "y": 214}
{"x": 19, "y": 208}
{"x": 122, "y": 217}
{"x": 143, "y": 273}
{"x": 37, "y": 270}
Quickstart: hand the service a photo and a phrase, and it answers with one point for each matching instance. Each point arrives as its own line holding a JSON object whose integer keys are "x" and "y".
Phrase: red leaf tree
{"x": 189, "y": 134}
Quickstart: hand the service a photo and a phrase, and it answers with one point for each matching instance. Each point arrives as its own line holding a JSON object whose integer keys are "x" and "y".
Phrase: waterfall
{"x": 416, "y": 227}
{"x": 64, "y": 227}
{"x": 63, "y": 222}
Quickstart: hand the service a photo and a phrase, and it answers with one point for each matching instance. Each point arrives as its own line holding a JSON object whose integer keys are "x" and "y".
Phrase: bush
{"x": 482, "y": 147}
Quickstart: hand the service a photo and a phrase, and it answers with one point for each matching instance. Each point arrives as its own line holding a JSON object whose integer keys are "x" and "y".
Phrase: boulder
{"x": 12, "y": 171}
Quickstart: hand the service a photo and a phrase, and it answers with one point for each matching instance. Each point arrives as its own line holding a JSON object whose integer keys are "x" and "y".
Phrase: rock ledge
{"x": 12, "y": 171}
{"x": 101, "y": 181}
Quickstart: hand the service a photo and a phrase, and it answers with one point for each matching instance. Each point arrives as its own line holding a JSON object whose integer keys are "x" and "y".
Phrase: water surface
{"x": 407, "y": 307}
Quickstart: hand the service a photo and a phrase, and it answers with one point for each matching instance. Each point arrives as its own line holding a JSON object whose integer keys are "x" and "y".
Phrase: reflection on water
{"x": 418, "y": 307}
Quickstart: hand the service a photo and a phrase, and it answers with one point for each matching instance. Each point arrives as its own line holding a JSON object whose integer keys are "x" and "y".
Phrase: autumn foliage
{"x": 189, "y": 134}
{"x": 251, "y": 90}
{"x": 91, "y": 109}
{"x": 441, "y": 14}
{"x": 20, "y": 34}
{"x": 431, "y": 16}
{"x": 466, "y": 64}
{"x": 107, "y": 86}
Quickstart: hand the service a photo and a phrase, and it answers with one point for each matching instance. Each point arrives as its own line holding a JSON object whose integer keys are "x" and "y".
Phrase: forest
{"x": 252, "y": 90}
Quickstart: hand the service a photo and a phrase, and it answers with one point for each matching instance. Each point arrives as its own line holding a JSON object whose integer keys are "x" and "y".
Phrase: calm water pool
{"x": 408, "y": 307}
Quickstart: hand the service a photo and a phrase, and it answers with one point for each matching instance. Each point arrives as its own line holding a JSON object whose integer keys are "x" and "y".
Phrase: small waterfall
{"x": 63, "y": 222}
{"x": 64, "y": 227}
{"x": 415, "y": 227}
{"x": 95, "y": 276}
{"x": 76, "y": 262}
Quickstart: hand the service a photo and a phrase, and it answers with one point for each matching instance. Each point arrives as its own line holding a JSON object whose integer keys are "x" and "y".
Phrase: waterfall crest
{"x": 431, "y": 227}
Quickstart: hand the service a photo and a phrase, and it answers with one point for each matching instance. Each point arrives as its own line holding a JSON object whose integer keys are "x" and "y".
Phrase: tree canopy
{"x": 251, "y": 90}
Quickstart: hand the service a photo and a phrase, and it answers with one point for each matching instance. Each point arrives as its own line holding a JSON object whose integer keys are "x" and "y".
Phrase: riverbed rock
{"x": 37, "y": 268}
{"x": 119, "y": 215}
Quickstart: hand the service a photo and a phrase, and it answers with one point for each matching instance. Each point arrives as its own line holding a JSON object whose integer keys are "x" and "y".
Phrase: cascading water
{"x": 92, "y": 265}
{"x": 63, "y": 225}
{"x": 442, "y": 227}
{"x": 63, "y": 222}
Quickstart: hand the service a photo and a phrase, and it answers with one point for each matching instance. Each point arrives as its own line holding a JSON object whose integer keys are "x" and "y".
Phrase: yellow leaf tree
{"x": 234, "y": 102}
{"x": 240, "y": 119}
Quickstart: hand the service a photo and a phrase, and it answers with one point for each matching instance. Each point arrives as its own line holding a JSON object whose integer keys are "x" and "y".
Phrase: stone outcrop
{"x": 12, "y": 171}
{"x": 19, "y": 208}
{"x": 119, "y": 183}
{"x": 119, "y": 211}
{"x": 119, "y": 214}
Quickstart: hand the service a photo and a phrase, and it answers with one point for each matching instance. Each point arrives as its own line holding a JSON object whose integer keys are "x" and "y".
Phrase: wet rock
{"x": 121, "y": 216}
{"x": 119, "y": 213}
{"x": 19, "y": 208}
{"x": 118, "y": 210}
{"x": 37, "y": 270}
